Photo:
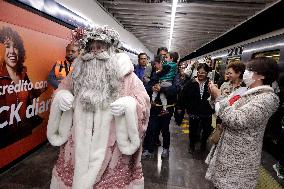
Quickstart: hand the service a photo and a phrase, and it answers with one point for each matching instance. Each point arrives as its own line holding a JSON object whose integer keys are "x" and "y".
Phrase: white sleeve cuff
{"x": 127, "y": 133}
{"x": 217, "y": 108}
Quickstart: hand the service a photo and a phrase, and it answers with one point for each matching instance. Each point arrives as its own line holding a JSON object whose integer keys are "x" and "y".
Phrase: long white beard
{"x": 95, "y": 81}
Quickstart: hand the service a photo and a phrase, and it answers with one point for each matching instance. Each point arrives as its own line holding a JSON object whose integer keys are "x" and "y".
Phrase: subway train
{"x": 269, "y": 45}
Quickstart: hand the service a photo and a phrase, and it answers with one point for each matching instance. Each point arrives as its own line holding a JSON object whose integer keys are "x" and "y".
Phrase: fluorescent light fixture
{"x": 173, "y": 15}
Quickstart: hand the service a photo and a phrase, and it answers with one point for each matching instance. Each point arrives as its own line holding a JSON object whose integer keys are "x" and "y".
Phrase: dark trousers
{"x": 156, "y": 125}
{"x": 179, "y": 115}
{"x": 198, "y": 125}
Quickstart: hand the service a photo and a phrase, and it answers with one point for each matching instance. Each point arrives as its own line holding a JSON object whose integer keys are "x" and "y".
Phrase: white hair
{"x": 95, "y": 80}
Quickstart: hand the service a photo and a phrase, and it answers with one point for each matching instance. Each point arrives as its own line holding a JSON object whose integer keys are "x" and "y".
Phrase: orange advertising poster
{"x": 29, "y": 46}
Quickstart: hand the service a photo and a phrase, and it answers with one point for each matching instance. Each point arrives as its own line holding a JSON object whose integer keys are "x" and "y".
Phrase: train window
{"x": 217, "y": 62}
{"x": 275, "y": 54}
{"x": 219, "y": 66}
{"x": 234, "y": 59}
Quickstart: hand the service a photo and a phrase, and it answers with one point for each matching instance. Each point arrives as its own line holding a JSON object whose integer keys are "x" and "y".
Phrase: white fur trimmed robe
{"x": 99, "y": 150}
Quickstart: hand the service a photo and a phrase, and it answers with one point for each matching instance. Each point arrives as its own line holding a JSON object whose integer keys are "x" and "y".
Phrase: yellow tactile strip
{"x": 266, "y": 181}
{"x": 185, "y": 125}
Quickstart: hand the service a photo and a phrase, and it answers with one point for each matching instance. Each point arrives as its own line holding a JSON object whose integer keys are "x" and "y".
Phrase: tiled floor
{"x": 34, "y": 172}
{"x": 180, "y": 171}
{"x": 267, "y": 163}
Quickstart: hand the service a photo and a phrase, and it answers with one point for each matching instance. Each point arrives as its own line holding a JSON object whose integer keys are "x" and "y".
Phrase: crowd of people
{"x": 126, "y": 107}
{"x": 243, "y": 101}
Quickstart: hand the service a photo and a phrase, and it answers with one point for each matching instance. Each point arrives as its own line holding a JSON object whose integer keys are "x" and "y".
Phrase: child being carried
{"x": 166, "y": 71}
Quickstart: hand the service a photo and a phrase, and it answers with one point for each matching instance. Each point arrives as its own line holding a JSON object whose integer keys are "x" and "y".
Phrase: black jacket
{"x": 191, "y": 101}
{"x": 170, "y": 92}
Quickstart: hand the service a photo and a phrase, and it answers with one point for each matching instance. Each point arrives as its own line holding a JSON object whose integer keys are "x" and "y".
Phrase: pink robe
{"x": 118, "y": 170}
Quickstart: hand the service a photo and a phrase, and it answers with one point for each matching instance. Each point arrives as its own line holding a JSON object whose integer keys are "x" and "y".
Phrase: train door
{"x": 273, "y": 137}
{"x": 219, "y": 66}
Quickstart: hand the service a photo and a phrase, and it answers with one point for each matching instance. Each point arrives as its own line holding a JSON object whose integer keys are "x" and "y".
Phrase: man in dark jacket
{"x": 140, "y": 68}
{"x": 181, "y": 80}
{"x": 157, "y": 122}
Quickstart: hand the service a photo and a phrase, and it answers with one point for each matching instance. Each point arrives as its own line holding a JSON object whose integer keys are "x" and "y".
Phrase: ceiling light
{"x": 173, "y": 15}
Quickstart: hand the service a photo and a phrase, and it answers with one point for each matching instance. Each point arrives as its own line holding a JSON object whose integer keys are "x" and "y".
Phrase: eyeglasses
{"x": 201, "y": 73}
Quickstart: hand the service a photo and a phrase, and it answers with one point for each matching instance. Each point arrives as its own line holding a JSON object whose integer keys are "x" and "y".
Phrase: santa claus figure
{"x": 98, "y": 116}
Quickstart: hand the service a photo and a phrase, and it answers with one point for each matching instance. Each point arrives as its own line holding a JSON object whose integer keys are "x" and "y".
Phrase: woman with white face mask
{"x": 236, "y": 160}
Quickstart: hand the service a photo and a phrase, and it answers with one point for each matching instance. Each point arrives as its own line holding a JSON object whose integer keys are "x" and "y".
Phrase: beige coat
{"x": 235, "y": 162}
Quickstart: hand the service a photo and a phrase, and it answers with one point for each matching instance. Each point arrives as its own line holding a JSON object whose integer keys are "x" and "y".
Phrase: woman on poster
{"x": 14, "y": 125}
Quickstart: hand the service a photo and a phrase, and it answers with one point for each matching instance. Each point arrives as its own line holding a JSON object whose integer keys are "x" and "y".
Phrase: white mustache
{"x": 102, "y": 56}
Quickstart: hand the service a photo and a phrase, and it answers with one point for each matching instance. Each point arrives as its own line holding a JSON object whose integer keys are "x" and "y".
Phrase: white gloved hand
{"x": 65, "y": 100}
{"x": 117, "y": 108}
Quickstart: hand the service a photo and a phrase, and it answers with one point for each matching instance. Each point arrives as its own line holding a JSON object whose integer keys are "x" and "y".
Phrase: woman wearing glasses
{"x": 194, "y": 100}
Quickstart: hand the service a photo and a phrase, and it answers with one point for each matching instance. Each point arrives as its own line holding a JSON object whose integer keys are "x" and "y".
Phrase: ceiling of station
{"x": 197, "y": 22}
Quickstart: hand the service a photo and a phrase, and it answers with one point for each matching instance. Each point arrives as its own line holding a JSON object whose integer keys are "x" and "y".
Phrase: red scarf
{"x": 234, "y": 99}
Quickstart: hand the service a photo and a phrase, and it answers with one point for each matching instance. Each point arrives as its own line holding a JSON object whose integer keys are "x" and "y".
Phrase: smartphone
{"x": 212, "y": 76}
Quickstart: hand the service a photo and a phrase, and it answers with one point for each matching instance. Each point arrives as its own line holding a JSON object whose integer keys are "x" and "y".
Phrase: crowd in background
{"x": 240, "y": 97}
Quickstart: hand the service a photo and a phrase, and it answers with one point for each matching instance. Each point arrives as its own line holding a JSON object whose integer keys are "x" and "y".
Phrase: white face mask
{"x": 247, "y": 78}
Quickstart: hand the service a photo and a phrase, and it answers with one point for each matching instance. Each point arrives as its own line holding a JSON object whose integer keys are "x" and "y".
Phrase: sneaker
{"x": 147, "y": 155}
{"x": 165, "y": 153}
{"x": 279, "y": 170}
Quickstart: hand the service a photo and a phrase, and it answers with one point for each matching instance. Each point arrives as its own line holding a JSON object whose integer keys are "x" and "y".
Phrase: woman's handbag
{"x": 216, "y": 134}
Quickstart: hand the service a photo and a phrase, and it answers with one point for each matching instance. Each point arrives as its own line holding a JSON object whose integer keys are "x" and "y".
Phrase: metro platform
{"x": 181, "y": 171}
